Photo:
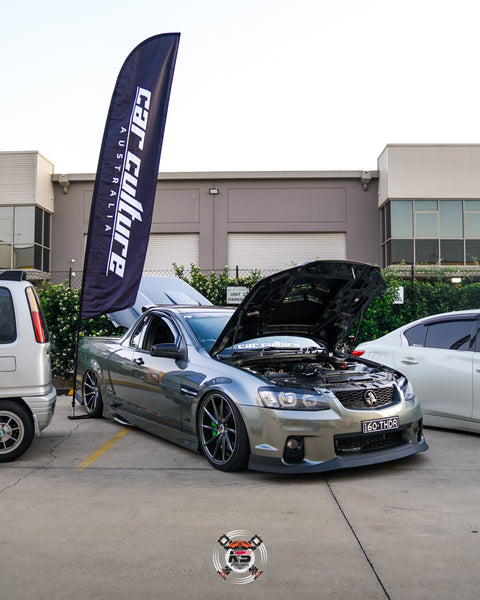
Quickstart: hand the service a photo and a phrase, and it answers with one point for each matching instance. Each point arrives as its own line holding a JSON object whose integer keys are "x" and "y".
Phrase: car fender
{"x": 243, "y": 393}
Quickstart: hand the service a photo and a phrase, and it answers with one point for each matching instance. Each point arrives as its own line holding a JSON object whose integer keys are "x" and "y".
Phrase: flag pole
{"x": 73, "y": 417}
{"x": 78, "y": 328}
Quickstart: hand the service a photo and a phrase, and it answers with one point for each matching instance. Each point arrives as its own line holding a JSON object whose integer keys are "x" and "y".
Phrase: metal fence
{"x": 468, "y": 274}
{"x": 73, "y": 278}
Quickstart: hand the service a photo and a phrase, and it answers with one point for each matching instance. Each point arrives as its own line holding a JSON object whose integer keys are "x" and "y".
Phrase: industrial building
{"x": 421, "y": 206}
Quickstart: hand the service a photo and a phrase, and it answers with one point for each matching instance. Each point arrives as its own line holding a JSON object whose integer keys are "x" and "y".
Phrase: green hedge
{"x": 432, "y": 294}
{"x": 214, "y": 286}
{"x": 61, "y": 305}
{"x": 422, "y": 298}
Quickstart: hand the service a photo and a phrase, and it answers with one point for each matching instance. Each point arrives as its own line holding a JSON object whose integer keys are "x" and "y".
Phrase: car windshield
{"x": 207, "y": 328}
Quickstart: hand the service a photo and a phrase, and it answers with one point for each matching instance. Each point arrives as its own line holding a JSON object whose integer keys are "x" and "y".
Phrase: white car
{"x": 440, "y": 356}
{"x": 27, "y": 396}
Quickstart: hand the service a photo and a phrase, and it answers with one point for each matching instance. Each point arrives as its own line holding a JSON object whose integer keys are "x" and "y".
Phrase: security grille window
{"x": 164, "y": 249}
{"x": 24, "y": 238}
{"x": 270, "y": 252}
{"x": 445, "y": 232}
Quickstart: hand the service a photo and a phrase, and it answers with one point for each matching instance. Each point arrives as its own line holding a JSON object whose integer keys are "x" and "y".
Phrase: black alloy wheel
{"x": 91, "y": 395}
{"x": 222, "y": 434}
{"x": 16, "y": 430}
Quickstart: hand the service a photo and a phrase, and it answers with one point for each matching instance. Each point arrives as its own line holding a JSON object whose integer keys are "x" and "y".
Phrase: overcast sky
{"x": 259, "y": 84}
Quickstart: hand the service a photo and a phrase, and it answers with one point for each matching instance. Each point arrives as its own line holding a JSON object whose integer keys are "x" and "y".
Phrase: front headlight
{"x": 292, "y": 399}
{"x": 407, "y": 389}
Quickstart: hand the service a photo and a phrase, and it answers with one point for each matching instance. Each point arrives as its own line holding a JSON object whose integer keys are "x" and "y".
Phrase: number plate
{"x": 377, "y": 425}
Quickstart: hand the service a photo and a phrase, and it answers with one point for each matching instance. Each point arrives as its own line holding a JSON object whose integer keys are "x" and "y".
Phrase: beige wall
{"x": 26, "y": 178}
{"x": 45, "y": 194}
{"x": 429, "y": 171}
{"x": 246, "y": 202}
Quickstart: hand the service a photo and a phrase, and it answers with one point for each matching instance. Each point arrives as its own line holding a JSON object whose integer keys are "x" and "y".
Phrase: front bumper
{"x": 277, "y": 465}
{"x": 331, "y": 440}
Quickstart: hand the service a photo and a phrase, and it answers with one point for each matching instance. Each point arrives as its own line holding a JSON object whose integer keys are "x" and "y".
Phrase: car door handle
{"x": 409, "y": 361}
{"x": 139, "y": 361}
{"x": 477, "y": 370}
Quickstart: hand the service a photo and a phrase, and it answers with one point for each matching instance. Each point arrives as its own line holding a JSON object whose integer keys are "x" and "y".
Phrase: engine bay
{"x": 332, "y": 371}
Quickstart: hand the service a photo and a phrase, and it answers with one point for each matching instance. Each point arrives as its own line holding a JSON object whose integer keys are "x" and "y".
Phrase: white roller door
{"x": 277, "y": 251}
{"x": 164, "y": 249}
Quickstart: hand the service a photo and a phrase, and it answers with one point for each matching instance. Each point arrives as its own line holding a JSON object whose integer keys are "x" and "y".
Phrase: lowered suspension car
{"x": 261, "y": 386}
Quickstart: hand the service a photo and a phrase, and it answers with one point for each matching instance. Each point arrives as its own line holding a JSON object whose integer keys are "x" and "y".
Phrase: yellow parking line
{"x": 98, "y": 453}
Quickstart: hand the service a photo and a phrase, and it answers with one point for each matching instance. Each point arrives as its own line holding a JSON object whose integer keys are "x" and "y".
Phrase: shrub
{"x": 214, "y": 286}
{"x": 421, "y": 299}
{"x": 61, "y": 306}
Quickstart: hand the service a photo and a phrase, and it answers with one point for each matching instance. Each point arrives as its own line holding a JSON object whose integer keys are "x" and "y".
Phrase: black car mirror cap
{"x": 167, "y": 351}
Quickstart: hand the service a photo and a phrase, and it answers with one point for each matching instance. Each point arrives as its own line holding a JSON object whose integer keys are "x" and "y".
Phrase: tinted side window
{"x": 416, "y": 335}
{"x": 450, "y": 335}
{"x": 8, "y": 332}
{"x": 159, "y": 332}
{"x": 137, "y": 334}
{"x": 477, "y": 336}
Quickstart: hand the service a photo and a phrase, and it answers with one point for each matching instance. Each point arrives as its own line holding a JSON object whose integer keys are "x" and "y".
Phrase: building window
{"x": 452, "y": 252}
{"x": 451, "y": 219}
{"x": 426, "y": 218}
{"x": 24, "y": 238}
{"x": 472, "y": 218}
{"x": 472, "y": 251}
{"x": 426, "y": 252}
{"x": 445, "y": 232}
{"x": 399, "y": 251}
{"x": 401, "y": 223}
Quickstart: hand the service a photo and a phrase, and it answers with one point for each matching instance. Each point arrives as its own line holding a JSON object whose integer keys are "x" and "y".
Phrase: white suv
{"x": 27, "y": 396}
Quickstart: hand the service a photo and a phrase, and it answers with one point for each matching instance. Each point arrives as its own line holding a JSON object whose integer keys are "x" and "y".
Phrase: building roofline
{"x": 433, "y": 145}
{"x": 219, "y": 175}
{"x": 23, "y": 152}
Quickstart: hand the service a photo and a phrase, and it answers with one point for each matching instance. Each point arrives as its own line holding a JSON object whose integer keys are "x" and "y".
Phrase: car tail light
{"x": 358, "y": 352}
{"x": 37, "y": 316}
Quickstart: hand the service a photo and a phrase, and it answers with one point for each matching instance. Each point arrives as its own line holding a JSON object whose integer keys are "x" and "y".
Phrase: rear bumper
{"x": 42, "y": 408}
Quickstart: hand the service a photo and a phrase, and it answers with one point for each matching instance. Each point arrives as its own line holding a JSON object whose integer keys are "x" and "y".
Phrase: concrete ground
{"x": 142, "y": 521}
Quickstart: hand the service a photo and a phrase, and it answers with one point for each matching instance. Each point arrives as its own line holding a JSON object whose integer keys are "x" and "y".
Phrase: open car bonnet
{"x": 319, "y": 300}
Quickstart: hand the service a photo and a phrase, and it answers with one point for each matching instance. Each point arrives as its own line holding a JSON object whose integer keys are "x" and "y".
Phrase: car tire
{"x": 91, "y": 395}
{"x": 16, "y": 430}
{"x": 222, "y": 434}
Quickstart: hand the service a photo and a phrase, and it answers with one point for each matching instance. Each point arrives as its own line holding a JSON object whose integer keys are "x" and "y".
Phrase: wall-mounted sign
{"x": 399, "y": 297}
{"x": 236, "y": 293}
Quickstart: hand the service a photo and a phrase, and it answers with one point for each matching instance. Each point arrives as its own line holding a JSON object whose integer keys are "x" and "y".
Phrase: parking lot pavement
{"x": 140, "y": 518}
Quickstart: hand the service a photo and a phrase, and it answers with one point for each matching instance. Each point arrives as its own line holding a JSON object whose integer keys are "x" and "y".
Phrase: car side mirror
{"x": 167, "y": 351}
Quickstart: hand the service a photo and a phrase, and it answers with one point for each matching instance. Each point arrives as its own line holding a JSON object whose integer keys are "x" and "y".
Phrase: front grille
{"x": 372, "y": 442}
{"x": 354, "y": 399}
